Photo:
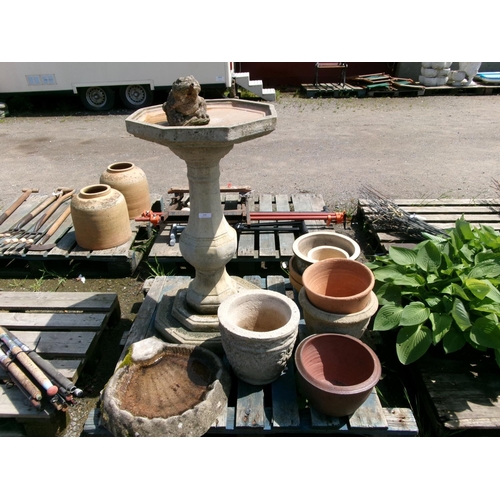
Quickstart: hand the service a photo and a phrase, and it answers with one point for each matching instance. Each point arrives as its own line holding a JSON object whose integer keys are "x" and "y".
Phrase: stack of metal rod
{"x": 20, "y": 237}
{"x": 35, "y": 377}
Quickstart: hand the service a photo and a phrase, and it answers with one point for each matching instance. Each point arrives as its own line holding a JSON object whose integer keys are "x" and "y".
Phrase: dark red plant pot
{"x": 336, "y": 372}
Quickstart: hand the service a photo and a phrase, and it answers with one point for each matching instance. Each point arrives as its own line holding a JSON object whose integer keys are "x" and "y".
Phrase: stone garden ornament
{"x": 184, "y": 105}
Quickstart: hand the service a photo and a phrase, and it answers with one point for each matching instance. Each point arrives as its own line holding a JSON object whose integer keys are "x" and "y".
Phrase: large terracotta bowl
{"x": 336, "y": 372}
{"x": 339, "y": 286}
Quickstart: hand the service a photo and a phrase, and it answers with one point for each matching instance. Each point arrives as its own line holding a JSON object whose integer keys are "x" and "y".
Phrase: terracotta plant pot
{"x": 340, "y": 286}
{"x": 165, "y": 390}
{"x": 336, "y": 373}
{"x": 294, "y": 275}
{"x": 258, "y": 331}
{"x": 304, "y": 244}
{"x": 131, "y": 181}
{"x": 354, "y": 324}
{"x": 100, "y": 218}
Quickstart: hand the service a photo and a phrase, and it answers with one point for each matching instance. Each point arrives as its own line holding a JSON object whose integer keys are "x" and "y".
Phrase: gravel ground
{"x": 425, "y": 147}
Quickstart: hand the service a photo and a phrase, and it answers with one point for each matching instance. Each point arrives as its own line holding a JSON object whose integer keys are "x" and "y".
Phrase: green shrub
{"x": 444, "y": 290}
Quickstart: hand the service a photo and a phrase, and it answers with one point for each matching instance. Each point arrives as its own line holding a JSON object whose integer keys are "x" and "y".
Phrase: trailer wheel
{"x": 136, "y": 96}
{"x": 97, "y": 98}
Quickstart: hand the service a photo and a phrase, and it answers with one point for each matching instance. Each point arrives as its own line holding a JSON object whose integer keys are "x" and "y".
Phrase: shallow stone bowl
{"x": 166, "y": 390}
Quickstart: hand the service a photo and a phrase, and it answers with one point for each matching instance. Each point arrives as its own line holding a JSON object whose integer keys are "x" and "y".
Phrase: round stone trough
{"x": 165, "y": 390}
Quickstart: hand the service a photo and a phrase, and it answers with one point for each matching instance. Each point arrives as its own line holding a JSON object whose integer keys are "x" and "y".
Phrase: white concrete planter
{"x": 258, "y": 332}
{"x": 306, "y": 243}
{"x": 319, "y": 321}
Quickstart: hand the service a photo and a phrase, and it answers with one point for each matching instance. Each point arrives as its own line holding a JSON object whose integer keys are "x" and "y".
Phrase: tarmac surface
{"x": 412, "y": 147}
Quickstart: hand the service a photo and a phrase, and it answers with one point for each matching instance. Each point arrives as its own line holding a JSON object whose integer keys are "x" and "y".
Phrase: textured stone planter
{"x": 100, "y": 217}
{"x": 131, "y": 181}
{"x": 165, "y": 390}
{"x": 258, "y": 331}
{"x": 340, "y": 286}
{"x": 304, "y": 244}
{"x": 336, "y": 373}
{"x": 354, "y": 324}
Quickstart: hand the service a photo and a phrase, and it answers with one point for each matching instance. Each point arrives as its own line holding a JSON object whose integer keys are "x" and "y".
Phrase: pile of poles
{"x": 19, "y": 238}
{"x": 36, "y": 378}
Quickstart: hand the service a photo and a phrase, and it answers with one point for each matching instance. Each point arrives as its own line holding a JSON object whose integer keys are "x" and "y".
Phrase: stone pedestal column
{"x": 208, "y": 242}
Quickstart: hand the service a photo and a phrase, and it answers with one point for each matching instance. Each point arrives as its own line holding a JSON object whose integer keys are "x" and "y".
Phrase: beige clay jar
{"x": 100, "y": 217}
{"x": 131, "y": 181}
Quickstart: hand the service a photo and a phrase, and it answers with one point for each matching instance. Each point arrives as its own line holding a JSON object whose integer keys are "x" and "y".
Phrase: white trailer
{"x": 97, "y": 83}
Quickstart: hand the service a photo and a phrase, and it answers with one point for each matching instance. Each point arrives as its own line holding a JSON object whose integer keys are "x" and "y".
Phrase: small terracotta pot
{"x": 131, "y": 181}
{"x": 100, "y": 217}
{"x": 336, "y": 373}
{"x": 304, "y": 244}
{"x": 258, "y": 331}
{"x": 340, "y": 286}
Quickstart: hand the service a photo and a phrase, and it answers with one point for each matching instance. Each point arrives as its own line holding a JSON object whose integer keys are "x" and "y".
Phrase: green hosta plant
{"x": 444, "y": 290}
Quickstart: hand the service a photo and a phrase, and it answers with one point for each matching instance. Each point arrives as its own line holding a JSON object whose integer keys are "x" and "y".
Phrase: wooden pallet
{"x": 440, "y": 213}
{"x": 474, "y": 89}
{"x": 459, "y": 394}
{"x": 117, "y": 261}
{"x": 277, "y": 408}
{"x": 252, "y": 247}
{"x": 63, "y": 328}
{"x": 333, "y": 90}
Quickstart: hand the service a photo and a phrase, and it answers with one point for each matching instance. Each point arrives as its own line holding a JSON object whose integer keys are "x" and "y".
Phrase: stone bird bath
{"x": 208, "y": 242}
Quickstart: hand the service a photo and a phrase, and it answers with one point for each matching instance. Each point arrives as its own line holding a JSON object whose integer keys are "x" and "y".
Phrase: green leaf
{"x": 403, "y": 256}
{"x": 387, "y": 318}
{"x": 441, "y": 323}
{"x": 393, "y": 275}
{"x": 429, "y": 257}
{"x": 454, "y": 289}
{"x": 464, "y": 229}
{"x": 453, "y": 340}
{"x": 486, "y": 332}
{"x": 412, "y": 343}
{"x": 388, "y": 293}
{"x": 414, "y": 313}
{"x": 487, "y": 307}
{"x": 485, "y": 269}
{"x": 479, "y": 288}
{"x": 460, "y": 315}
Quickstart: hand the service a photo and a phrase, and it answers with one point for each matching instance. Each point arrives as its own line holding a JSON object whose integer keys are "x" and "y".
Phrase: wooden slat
{"x": 249, "y": 406}
{"x": 52, "y": 321}
{"x": 370, "y": 415}
{"x": 80, "y": 301}
{"x": 285, "y": 239}
{"x": 284, "y": 395}
{"x": 267, "y": 243}
{"x": 65, "y": 344}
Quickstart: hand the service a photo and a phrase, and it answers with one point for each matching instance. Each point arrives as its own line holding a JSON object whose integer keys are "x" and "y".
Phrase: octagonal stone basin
{"x": 231, "y": 121}
{"x": 165, "y": 390}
